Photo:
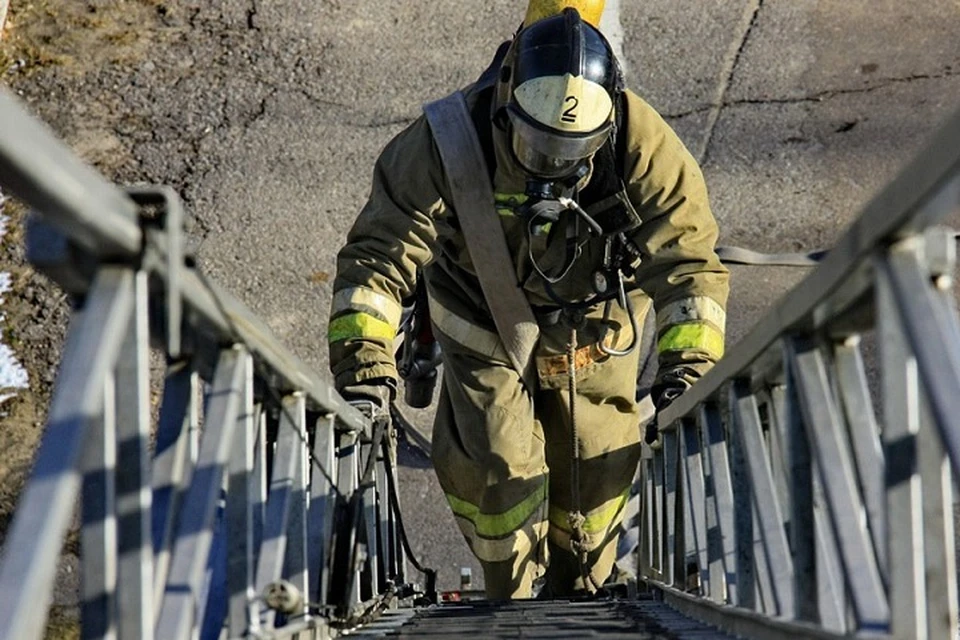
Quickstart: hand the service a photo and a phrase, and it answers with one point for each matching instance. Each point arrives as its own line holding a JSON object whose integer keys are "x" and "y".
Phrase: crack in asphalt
{"x": 358, "y": 119}
{"x": 379, "y": 124}
{"x": 261, "y": 110}
{"x": 194, "y": 17}
{"x": 816, "y": 97}
{"x": 251, "y": 16}
{"x": 317, "y": 100}
{"x": 748, "y": 20}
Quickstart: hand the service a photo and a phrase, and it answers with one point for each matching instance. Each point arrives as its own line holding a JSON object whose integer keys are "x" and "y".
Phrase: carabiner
{"x": 627, "y": 305}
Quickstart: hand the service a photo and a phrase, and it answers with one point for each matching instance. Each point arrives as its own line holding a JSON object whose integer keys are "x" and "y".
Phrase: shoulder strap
{"x": 472, "y": 193}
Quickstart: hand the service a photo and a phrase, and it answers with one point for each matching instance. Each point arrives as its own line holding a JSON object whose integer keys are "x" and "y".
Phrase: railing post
{"x": 197, "y": 520}
{"x": 48, "y": 500}
{"x": 243, "y": 497}
{"x": 853, "y": 386}
{"x": 259, "y": 481}
{"x": 280, "y": 534}
{"x": 645, "y": 519}
{"x": 172, "y": 466}
{"x": 826, "y": 432}
{"x": 938, "y": 526}
{"x": 832, "y": 600}
{"x": 772, "y": 553}
{"x": 901, "y": 417}
{"x": 98, "y": 533}
{"x": 386, "y": 532}
{"x": 659, "y": 520}
{"x": 799, "y": 474}
{"x": 721, "y": 540}
{"x": 348, "y": 481}
{"x": 135, "y": 598}
{"x": 369, "y": 524}
{"x": 778, "y": 447}
{"x": 297, "y": 567}
{"x": 919, "y": 272}
{"x": 695, "y": 505}
{"x": 323, "y": 502}
{"x": 940, "y": 253}
{"x": 672, "y": 517}
{"x": 744, "y": 534}
{"x": 398, "y": 553}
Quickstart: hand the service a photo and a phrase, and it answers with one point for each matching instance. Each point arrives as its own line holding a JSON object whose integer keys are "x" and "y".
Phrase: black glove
{"x": 663, "y": 395}
{"x": 374, "y": 395}
{"x": 652, "y": 431}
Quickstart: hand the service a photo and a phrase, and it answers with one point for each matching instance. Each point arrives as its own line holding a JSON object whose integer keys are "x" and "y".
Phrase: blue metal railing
{"x": 805, "y": 485}
{"x": 267, "y": 506}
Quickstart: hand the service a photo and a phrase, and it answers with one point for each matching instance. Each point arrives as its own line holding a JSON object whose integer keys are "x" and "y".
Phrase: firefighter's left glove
{"x": 373, "y": 396}
{"x": 663, "y": 395}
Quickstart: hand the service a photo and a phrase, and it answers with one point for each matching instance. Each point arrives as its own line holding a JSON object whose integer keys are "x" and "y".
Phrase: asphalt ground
{"x": 268, "y": 117}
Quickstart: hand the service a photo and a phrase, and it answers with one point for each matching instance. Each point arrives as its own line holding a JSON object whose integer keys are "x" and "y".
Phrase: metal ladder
{"x": 781, "y": 500}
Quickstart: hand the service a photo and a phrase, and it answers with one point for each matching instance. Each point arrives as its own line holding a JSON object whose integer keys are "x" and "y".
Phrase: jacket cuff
{"x": 364, "y": 374}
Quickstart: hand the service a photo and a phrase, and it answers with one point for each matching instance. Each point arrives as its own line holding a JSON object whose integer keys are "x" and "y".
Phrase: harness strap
{"x": 472, "y": 193}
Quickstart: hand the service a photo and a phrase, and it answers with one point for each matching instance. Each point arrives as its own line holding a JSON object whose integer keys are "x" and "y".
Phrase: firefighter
{"x": 604, "y": 214}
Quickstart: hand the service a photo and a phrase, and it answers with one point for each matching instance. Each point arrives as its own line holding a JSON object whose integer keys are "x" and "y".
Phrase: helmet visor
{"x": 538, "y": 164}
{"x": 551, "y": 153}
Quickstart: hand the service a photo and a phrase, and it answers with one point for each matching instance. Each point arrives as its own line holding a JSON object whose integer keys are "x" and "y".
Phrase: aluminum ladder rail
{"x": 182, "y": 538}
{"x": 793, "y": 491}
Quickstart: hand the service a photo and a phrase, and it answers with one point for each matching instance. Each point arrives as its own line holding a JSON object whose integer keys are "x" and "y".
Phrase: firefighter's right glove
{"x": 373, "y": 397}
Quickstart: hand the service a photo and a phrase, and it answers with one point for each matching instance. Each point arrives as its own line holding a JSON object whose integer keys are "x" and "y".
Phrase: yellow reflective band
{"x": 597, "y": 521}
{"x": 517, "y": 544}
{"x": 496, "y": 525}
{"x": 362, "y": 299}
{"x": 693, "y": 335}
{"x": 507, "y": 203}
{"x": 359, "y": 325}
{"x": 510, "y": 199}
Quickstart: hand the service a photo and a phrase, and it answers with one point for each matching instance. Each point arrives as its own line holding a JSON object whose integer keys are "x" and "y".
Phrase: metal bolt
{"x": 283, "y": 596}
{"x": 600, "y": 284}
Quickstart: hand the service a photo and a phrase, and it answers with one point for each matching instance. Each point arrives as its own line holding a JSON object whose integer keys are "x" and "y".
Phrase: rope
{"x": 578, "y": 537}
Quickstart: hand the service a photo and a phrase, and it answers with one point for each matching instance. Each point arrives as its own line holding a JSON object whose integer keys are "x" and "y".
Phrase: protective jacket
{"x": 501, "y": 450}
{"x": 407, "y": 225}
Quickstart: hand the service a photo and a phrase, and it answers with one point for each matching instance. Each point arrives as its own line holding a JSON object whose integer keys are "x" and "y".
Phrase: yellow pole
{"x": 590, "y": 10}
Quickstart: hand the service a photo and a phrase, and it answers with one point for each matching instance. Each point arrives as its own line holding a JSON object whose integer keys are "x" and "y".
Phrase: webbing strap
{"x": 739, "y": 255}
{"x": 473, "y": 199}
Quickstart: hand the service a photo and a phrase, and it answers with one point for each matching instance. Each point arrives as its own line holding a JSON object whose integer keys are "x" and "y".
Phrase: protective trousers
{"x": 503, "y": 456}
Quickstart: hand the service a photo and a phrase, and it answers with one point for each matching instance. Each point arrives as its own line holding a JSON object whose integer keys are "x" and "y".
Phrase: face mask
{"x": 550, "y": 154}
{"x": 540, "y": 165}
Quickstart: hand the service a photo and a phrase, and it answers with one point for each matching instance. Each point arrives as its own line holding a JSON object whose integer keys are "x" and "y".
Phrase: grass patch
{"x": 76, "y": 35}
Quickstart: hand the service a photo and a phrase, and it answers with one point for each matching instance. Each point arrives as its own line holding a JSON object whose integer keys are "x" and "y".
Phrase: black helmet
{"x": 563, "y": 81}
